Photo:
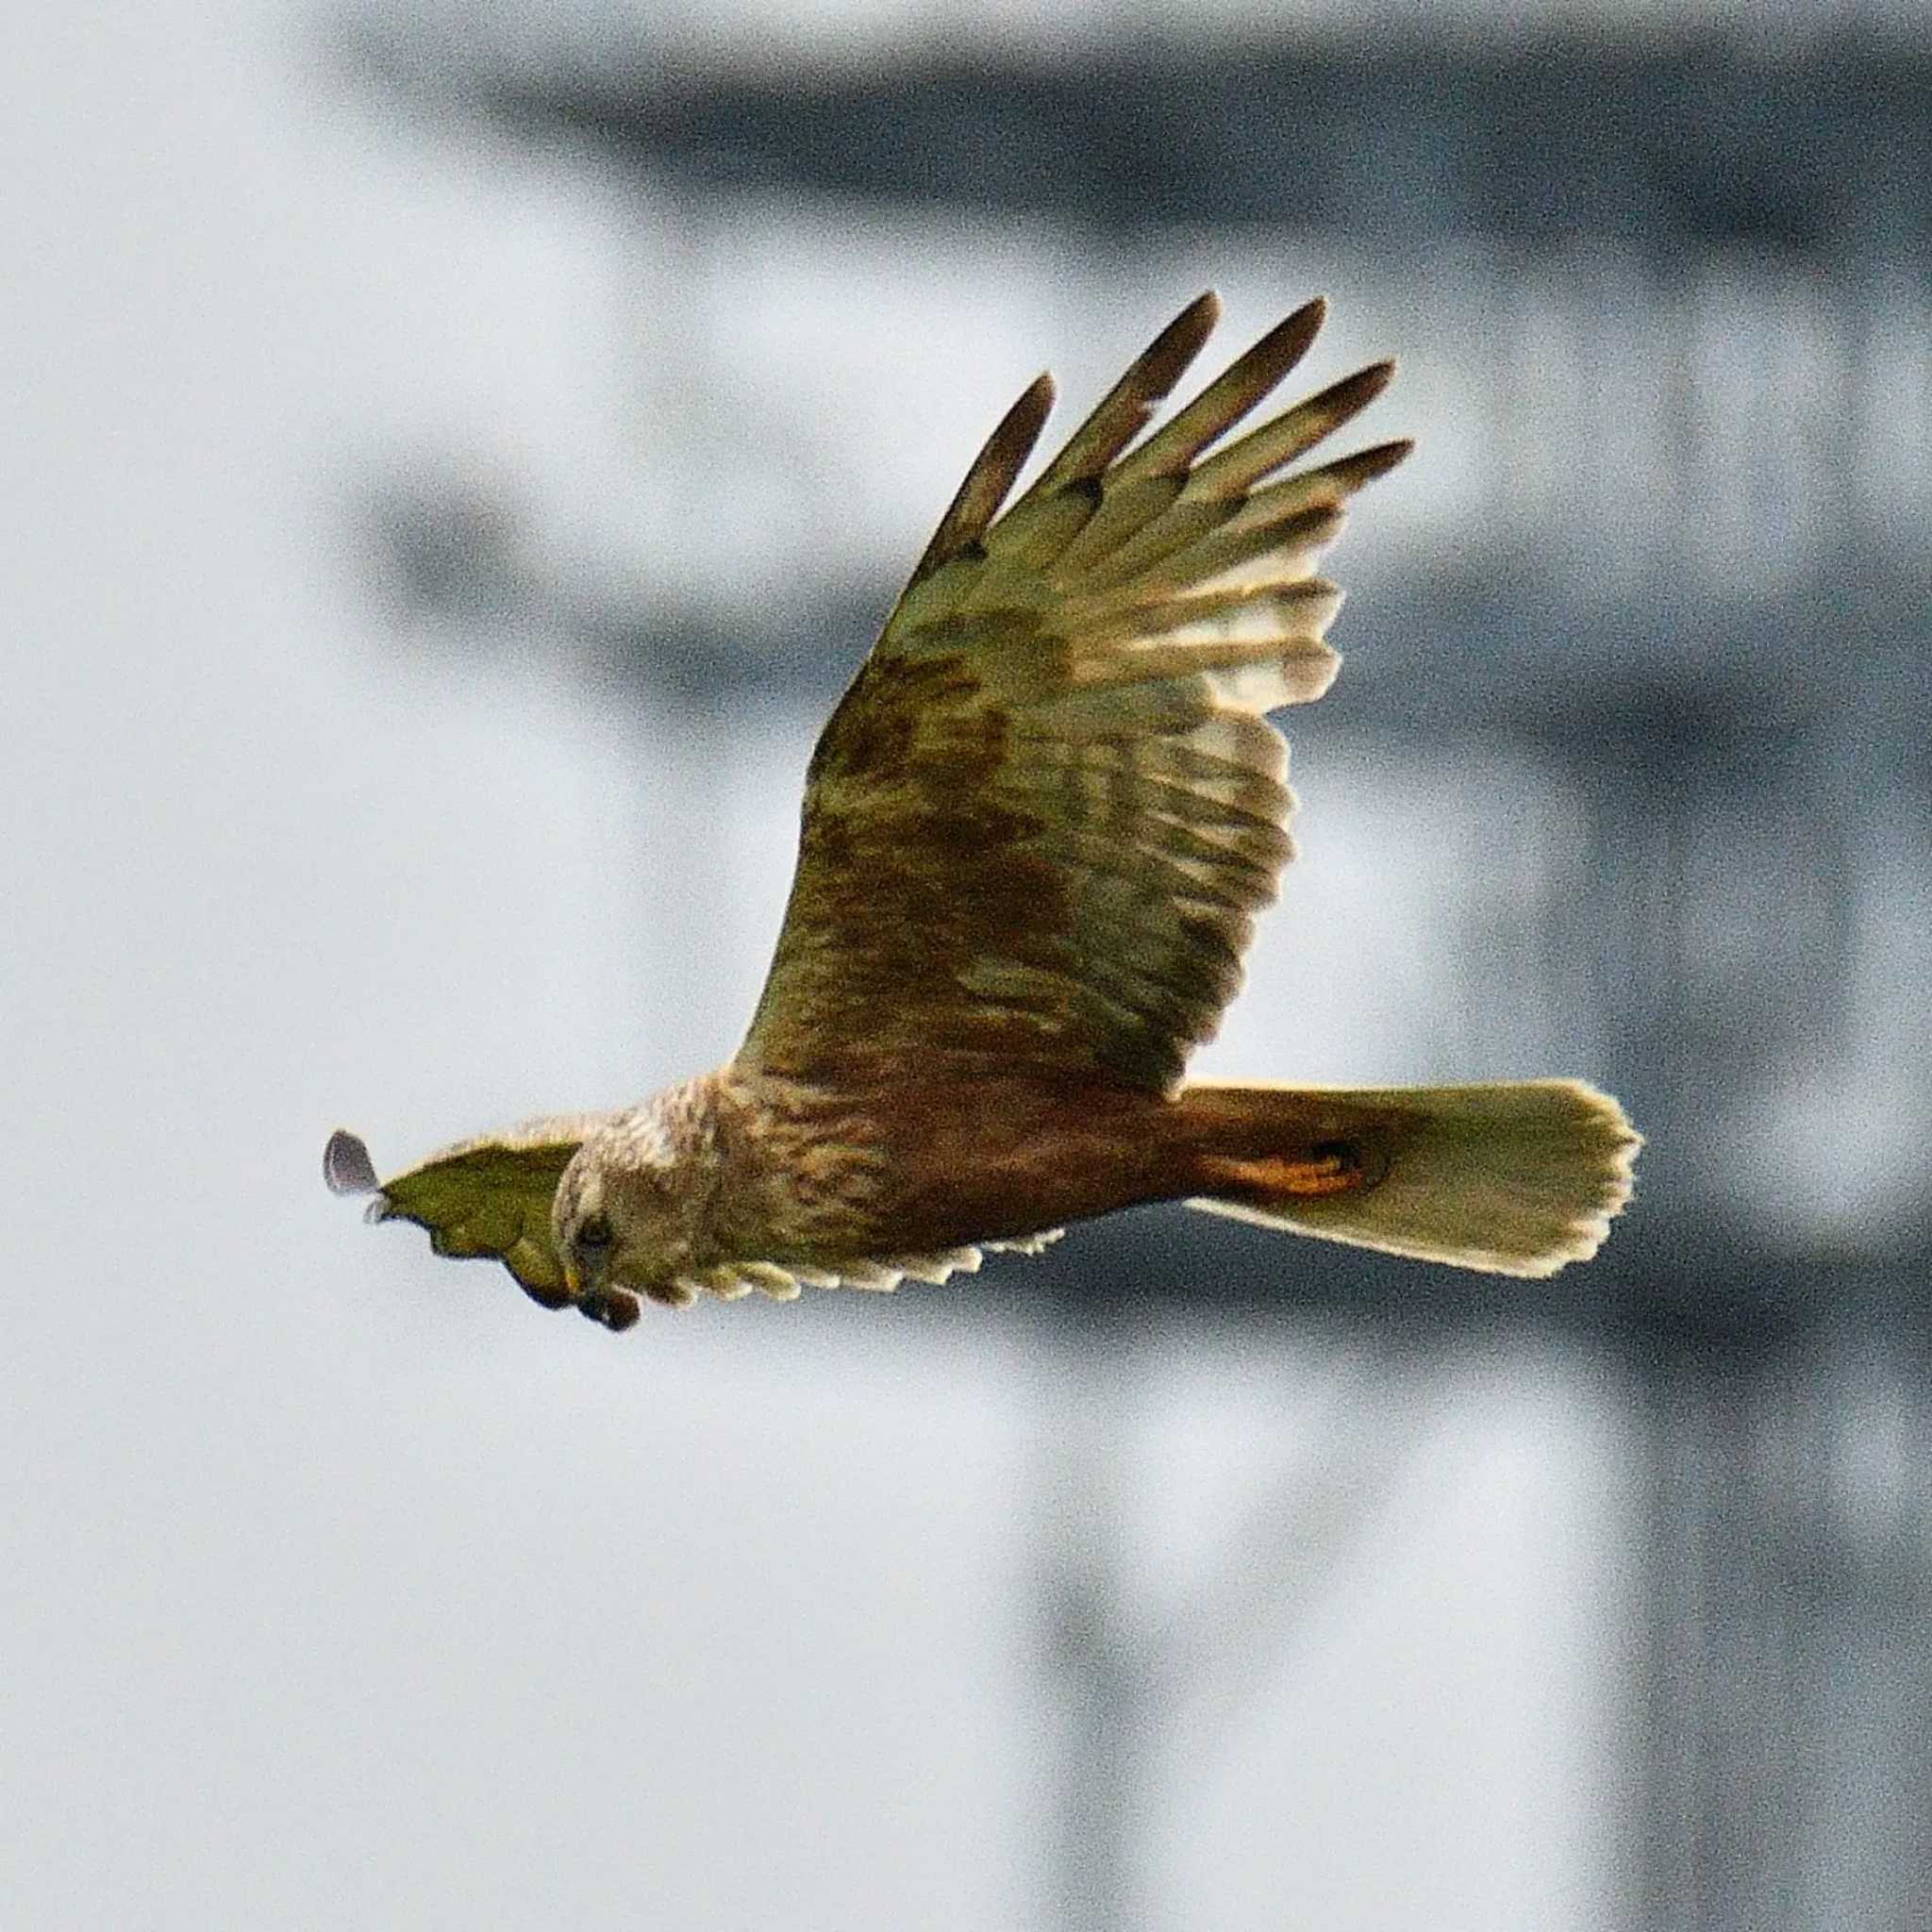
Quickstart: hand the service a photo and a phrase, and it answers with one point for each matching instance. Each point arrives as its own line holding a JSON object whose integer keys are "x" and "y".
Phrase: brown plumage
{"x": 1036, "y": 831}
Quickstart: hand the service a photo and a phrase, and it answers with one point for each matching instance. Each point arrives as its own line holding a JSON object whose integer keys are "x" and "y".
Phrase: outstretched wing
{"x": 1039, "y": 823}
{"x": 490, "y": 1197}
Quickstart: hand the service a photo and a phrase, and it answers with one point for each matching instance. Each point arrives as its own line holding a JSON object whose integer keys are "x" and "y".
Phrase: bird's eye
{"x": 594, "y": 1233}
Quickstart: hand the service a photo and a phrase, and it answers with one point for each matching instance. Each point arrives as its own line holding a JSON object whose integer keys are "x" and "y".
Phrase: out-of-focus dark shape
{"x": 1692, "y": 273}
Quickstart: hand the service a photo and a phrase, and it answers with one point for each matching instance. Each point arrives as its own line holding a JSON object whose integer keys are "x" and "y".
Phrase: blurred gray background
{"x": 455, "y": 455}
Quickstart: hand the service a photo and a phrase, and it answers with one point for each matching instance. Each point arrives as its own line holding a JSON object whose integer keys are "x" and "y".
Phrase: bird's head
{"x": 621, "y": 1220}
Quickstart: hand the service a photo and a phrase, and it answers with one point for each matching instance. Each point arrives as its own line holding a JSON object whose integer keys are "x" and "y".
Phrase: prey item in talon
{"x": 1038, "y": 829}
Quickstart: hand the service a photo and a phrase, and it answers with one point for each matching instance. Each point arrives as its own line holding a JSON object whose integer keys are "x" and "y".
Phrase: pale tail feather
{"x": 1515, "y": 1178}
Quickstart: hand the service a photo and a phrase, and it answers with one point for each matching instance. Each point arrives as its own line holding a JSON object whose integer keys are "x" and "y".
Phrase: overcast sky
{"x": 339, "y": 1587}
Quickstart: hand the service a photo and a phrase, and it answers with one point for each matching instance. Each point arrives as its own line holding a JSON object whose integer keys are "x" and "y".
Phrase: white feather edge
{"x": 784, "y": 1282}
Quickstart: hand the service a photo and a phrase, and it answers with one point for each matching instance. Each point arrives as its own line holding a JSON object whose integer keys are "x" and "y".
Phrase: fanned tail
{"x": 1516, "y": 1178}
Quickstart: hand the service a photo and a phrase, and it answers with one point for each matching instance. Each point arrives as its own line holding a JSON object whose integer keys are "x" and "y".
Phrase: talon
{"x": 1364, "y": 1164}
{"x": 611, "y": 1308}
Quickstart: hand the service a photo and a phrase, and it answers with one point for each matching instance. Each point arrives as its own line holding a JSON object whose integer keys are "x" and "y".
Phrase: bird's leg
{"x": 1330, "y": 1167}
{"x": 613, "y": 1307}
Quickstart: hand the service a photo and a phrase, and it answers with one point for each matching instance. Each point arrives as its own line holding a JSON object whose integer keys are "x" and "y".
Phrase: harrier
{"x": 1036, "y": 831}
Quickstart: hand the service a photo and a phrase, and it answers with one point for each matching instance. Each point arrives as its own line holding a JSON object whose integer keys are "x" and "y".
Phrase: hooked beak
{"x": 612, "y": 1307}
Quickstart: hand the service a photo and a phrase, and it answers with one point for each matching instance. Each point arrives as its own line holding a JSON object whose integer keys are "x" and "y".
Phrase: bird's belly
{"x": 957, "y": 1163}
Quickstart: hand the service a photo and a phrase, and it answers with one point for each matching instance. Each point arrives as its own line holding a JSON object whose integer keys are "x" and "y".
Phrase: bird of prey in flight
{"x": 1036, "y": 831}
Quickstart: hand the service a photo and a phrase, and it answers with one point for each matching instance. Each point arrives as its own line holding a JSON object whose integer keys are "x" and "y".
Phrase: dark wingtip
{"x": 1295, "y": 334}
{"x": 1365, "y": 465}
{"x": 990, "y": 480}
{"x": 1365, "y": 385}
{"x": 1182, "y": 339}
{"x": 346, "y": 1166}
